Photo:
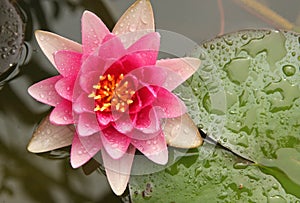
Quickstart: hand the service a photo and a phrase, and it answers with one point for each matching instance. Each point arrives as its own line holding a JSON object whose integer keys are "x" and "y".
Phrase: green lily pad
{"x": 246, "y": 97}
{"x": 214, "y": 175}
{"x": 256, "y": 73}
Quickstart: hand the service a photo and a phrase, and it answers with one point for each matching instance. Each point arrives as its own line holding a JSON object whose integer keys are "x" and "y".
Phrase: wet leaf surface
{"x": 213, "y": 175}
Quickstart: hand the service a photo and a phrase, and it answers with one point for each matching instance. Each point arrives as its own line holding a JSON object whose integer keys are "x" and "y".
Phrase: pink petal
{"x": 83, "y": 149}
{"x": 93, "y": 32}
{"x": 181, "y": 132}
{"x": 93, "y": 63}
{"x": 87, "y": 124}
{"x": 67, "y": 62}
{"x": 50, "y": 43}
{"x": 143, "y": 97}
{"x": 138, "y": 17}
{"x": 45, "y": 92}
{"x": 48, "y": 137}
{"x": 64, "y": 87}
{"x": 124, "y": 124}
{"x": 88, "y": 80}
{"x": 150, "y": 75}
{"x": 169, "y": 104}
{"x": 146, "y": 48}
{"x": 62, "y": 113}
{"x": 147, "y": 120}
{"x": 155, "y": 148}
{"x": 104, "y": 118}
{"x": 118, "y": 170}
{"x": 183, "y": 67}
{"x": 84, "y": 104}
{"x": 112, "y": 48}
{"x": 114, "y": 142}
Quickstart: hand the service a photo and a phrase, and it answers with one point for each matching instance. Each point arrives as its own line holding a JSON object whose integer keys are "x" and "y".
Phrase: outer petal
{"x": 50, "y": 43}
{"x": 183, "y": 67}
{"x": 48, "y": 137}
{"x": 181, "y": 132}
{"x": 64, "y": 87}
{"x": 155, "y": 148}
{"x": 45, "y": 92}
{"x": 118, "y": 171}
{"x": 62, "y": 114}
{"x": 138, "y": 17}
{"x": 67, "y": 62}
{"x": 93, "y": 32}
{"x": 115, "y": 143}
{"x": 87, "y": 124}
{"x": 168, "y": 104}
{"x": 84, "y": 148}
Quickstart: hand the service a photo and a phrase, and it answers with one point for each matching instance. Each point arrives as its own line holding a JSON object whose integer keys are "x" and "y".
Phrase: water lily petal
{"x": 88, "y": 80}
{"x": 62, "y": 113}
{"x": 93, "y": 63}
{"x": 111, "y": 48}
{"x": 147, "y": 120}
{"x": 181, "y": 132}
{"x": 146, "y": 49}
{"x": 87, "y": 124}
{"x": 169, "y": 105}
{"x": 149, "y": 76}
{"x": 183, "y": 67}
{"x": 84, "y": 104}
{"x": 114, "y": 142}
{"x": 138, "y": 17}
{"x": 125, "y": 123}
{"x": 64, "y": 87}
{"x": 143, "y": 97}
{"x": 50, "y": 43}
{"x": 84, "y": 148}
{"x": 149, "y": 42}
{"x": 118, "y": 170}
{"x": 45, "y": 92}
{"x": 67, "y": 62}
{"x": 93, "y": 32}
{"x": 104, "y": 118}
{"x": 47, "y": 137}
{"x": 155, "y": 148}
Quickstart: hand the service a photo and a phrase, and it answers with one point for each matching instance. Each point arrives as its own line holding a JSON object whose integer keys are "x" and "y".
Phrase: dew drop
{"x": 132, "y": 28}
{"x": 144, "y": 19}
{"x": 289, "y": 70}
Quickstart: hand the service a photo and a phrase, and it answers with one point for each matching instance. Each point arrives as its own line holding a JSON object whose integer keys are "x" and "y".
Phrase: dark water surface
{"x": 26, "y": 177}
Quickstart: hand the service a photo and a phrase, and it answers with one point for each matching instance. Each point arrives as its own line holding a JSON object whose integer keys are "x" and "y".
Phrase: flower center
{"x": 112, "y": 93}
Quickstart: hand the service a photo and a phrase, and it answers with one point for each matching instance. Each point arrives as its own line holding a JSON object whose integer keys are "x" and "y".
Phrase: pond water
{"x": 26, "y": 177}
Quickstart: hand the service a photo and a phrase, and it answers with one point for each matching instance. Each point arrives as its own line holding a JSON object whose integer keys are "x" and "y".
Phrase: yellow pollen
{"x": 97, "y": 87}
{"x": 92, "y": 95}
{"x": 112, "y": 93}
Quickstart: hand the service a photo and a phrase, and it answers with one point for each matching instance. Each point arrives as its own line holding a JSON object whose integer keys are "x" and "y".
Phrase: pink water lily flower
{"x": 116, "y": 93}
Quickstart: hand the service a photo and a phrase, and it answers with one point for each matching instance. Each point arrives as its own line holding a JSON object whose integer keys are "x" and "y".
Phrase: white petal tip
{"x": 117, "y": 181}
{"x": 48, "y": 137}
{"x": 181, "y": 132}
